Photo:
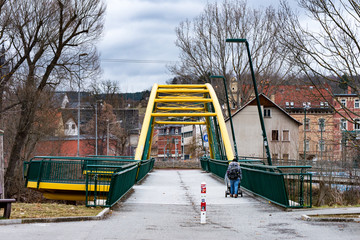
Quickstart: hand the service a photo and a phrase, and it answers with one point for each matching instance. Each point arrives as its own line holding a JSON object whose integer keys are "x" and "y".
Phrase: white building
{"x": 192, "y": 145}
{"x": 282, "y": 130}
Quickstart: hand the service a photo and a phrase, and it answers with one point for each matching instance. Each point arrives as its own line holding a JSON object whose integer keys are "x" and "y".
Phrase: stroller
{"x": 227, "y": 183}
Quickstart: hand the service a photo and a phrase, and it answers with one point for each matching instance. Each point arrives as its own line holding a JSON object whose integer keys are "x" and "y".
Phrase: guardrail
{"x": 106, "y": 180}
{"x": 287, "y": 186}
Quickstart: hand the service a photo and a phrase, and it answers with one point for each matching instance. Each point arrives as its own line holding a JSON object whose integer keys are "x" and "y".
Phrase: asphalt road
{"x": 166, "y": 205}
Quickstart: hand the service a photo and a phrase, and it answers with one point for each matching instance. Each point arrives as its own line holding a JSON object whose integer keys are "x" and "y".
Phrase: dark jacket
{"x": 234, "y": 165}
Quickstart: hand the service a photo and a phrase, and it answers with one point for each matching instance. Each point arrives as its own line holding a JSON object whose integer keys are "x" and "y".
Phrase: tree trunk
{"x": 26, "y": 118}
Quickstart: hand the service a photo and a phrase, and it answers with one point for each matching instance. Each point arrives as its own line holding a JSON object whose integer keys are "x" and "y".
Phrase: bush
{"x": 324, "y": 194}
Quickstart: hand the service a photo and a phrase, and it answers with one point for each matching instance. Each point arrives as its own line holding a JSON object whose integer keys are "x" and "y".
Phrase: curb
{"x": 328, "y": 219}
{"x": 100, "y": 216}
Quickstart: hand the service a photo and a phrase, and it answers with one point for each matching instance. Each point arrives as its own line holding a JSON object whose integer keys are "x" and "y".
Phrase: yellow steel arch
{"x": 181, "y": 104}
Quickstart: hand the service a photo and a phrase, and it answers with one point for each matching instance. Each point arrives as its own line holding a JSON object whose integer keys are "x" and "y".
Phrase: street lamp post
{"x": 79, "y": 81}
{"x": 306, "y": 106}
{"x": 322, "y": 145}
{"x": 265, "y": 141}
{"x": 96, "y": 131}
{"x": 229, "y": 112}
{"x": 96, "y": 124}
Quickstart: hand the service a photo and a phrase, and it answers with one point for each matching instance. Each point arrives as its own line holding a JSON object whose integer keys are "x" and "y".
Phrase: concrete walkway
{"x": 166, "y": 205}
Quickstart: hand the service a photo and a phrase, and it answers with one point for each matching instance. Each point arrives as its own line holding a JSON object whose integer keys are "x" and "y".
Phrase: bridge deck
{"x": 165, "y": 205}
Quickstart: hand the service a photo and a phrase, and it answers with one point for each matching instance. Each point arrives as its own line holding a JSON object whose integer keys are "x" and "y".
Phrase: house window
{"x": 357, "y": 103}
{"x": 285, "y": 156}
{"x": 286, "y": 136}
{"x": 188, "y": 134}
{"x": 267, "y": 112}
{"x": 343, "y": 102}
{"x": 275, "y": 156}
{"x": 307, "y": 124}
{"x": 343, "y": 124}
{"x": 321, "y": 145}
{"x": 321, "y": 124}
{"x": 73, "y": 126}
{"x": 275, "y": 135}
{"x": 67, "y": 126}
{"x": 307, "y": 145}
{"x": 357, "y": 124}
{"x": 176, "y": 131}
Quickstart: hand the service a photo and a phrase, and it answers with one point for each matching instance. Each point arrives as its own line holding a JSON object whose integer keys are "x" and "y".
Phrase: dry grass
{"x": 50, "y": 210}
{"x": 337, "y": 206}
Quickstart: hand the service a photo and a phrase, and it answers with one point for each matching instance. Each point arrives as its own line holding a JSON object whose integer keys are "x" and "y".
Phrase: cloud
{"x": 142, "y": 30}
{"x": 145, "y": 30}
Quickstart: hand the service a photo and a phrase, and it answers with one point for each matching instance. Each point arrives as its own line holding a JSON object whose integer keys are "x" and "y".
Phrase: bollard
{"x": 203, "y": 203}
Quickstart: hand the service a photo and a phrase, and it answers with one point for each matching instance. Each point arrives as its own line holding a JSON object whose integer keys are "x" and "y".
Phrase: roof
{"x": 266, "y": 102}
{"x": 297, "y": 95}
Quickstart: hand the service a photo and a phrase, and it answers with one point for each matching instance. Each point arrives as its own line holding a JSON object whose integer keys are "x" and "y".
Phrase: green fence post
{"x": 95, "y": 188}
{"x": 87, "y": 189}
{"x": 39, "y": 174}
{"x": 301, "y": 200}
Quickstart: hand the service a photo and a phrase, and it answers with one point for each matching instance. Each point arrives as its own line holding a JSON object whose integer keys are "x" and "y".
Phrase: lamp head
{"x": 236, "y": 40}
{"x": 216, "y": 76}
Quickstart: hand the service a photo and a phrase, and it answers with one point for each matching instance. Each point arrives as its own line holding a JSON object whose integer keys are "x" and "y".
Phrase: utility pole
{"x": 306, "y": 107}
{"x": 79, "y": 122}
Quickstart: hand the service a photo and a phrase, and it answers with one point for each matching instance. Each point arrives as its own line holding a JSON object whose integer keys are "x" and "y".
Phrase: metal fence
{"x": 287, "y": 186}
{"x": 121, "y": 183}
{"x": 145, "y": 166}
{"x": 105, "y": 180}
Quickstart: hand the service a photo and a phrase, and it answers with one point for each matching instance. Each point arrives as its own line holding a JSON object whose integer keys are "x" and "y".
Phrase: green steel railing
{"x": 121, "y": 183}
{"x": 204, "y": 162}
{"x": 102, "y": 176}
{"x": 287, "y": 186}
{"x": 145, "y": 166}
{"x": 54, "y": 171}
{"x": 218, "y": 167}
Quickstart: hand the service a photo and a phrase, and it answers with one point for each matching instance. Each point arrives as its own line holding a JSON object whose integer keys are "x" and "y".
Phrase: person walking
{"x": 234, "y": 175}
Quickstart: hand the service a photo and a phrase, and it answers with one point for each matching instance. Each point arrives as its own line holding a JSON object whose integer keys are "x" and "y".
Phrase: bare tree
{"x": 117, "y": 134}
{"x": 326, "y": 51}
{"x": 204, "y": 52}
{"x": 109, "y": 91}
{"x": 47, "y": 37}
{"x": 330, "y": 49}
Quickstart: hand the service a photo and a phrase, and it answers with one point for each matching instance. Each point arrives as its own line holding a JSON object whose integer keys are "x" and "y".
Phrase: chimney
{"x": 348, "y": 90}
{"x": 272, "y": 97}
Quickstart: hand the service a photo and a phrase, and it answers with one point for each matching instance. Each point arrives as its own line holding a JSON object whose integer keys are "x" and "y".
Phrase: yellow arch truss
{"x": 181, "y": 105}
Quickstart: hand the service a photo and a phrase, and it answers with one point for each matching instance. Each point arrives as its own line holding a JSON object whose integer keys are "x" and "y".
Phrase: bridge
{"x": 103, "y": 180}
{"x": 166, "y": 205}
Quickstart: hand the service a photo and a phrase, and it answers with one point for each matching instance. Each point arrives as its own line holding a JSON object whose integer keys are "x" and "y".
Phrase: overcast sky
{"x": 145, "y": 30}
